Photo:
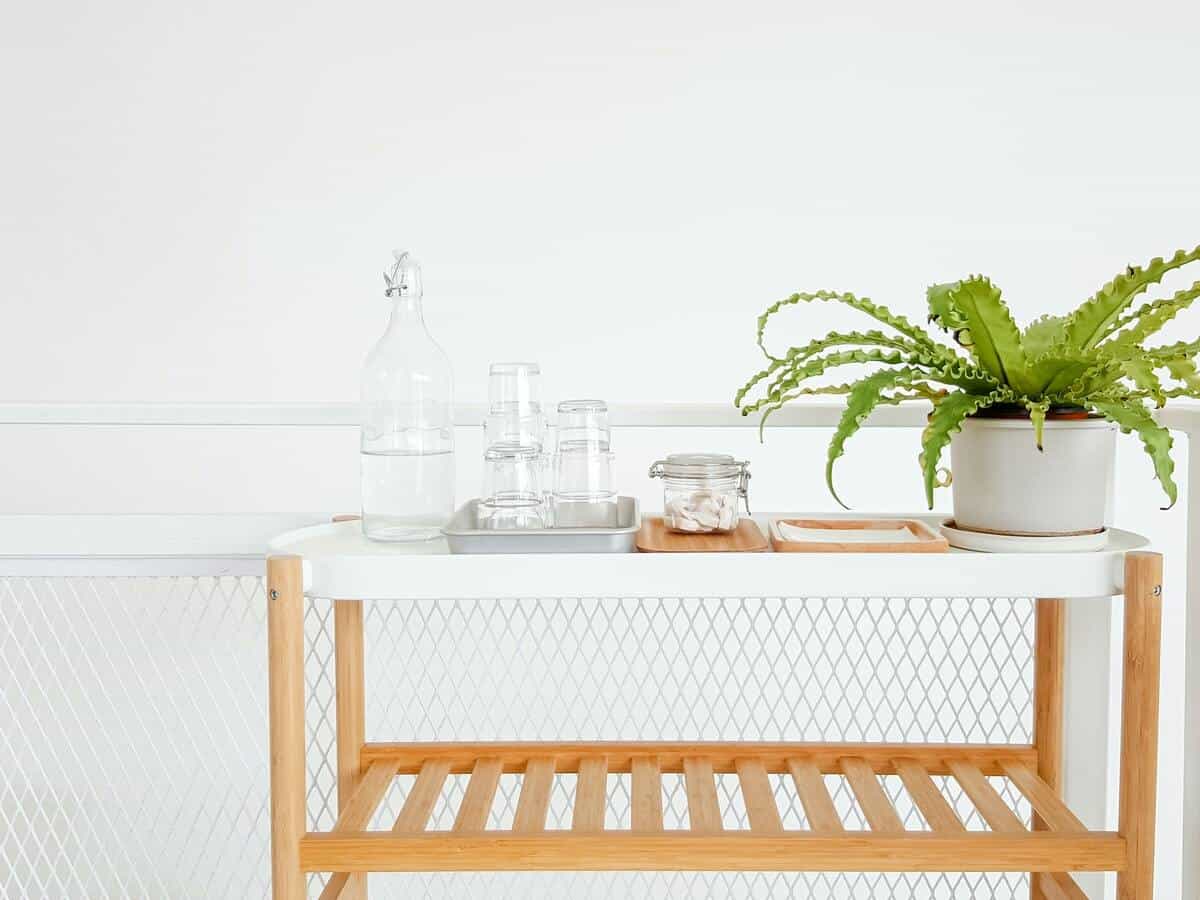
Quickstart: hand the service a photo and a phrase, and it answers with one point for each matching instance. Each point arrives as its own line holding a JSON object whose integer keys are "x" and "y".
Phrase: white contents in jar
{"x": 700, "y": 511}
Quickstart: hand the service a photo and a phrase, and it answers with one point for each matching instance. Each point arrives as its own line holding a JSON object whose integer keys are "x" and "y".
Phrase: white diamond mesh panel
{"x": 133, "y": 738}
{"x": 687, "y": 669}
{"x": 133, "y": 750}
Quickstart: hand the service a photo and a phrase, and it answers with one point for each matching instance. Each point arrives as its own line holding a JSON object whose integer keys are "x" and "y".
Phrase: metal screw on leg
{"x": 274, "y": 595}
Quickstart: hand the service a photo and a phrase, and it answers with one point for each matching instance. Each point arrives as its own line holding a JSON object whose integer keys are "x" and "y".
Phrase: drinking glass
{"x": 583, "y": 426}
{"x": 512, "y": 488}
{"x": 514, "y": 385}
{"x": 583, "y": 485}
{"x": 514, "y": 405}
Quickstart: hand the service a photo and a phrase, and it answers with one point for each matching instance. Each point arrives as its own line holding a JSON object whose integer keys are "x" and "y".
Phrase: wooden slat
{"x": 1059, "y": 886}
{"x": 929, "y": 800}
{"x": 418, "y": 805}
{"x": 926, "y": 851}
{"x": 336, "y": 887}
{"x": 814, "y": 796}
{"x": 1048, "y": 699}
{"x": 876, "y": 806}
{"x": 723, "y": 755}
{"x": 591, "y": 792}
{"x": 356, "y": 814}
{"x": 1044, "y": 801}
{"x": 704, "y": 813}
{"x": 535, "y": 795}
{"x": 760, "y": 801}
{"x": 990, "y": 805}
{"x": 349, "y": 694}
{"x": 477, "y": 801}
{"x": 647, "y": 804}
{"x": 350, "y": 716}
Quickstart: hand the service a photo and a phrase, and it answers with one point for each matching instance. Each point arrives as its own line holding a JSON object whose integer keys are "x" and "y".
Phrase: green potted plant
{"x": 1030, "y": 414}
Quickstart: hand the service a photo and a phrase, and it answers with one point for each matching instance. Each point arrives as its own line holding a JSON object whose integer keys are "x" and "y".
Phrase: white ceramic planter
{"x": 1003, "y": 484}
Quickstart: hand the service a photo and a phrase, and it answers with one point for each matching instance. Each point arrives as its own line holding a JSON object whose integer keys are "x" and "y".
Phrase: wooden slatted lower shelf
{"x": 826, "y": 845}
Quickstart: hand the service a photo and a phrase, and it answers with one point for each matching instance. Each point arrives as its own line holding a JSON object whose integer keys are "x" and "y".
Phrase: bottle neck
{"x": 406, "y": 313}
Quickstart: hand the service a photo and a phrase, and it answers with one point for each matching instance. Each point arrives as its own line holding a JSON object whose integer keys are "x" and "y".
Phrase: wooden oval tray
{"x": 911, "y": 536}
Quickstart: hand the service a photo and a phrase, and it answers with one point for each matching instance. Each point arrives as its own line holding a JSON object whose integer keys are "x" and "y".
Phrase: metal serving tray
{"x": 464, "y": 536}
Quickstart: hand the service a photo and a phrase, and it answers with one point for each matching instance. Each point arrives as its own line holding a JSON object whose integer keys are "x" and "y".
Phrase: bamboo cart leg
{"x": 285, "y": 671}
{"x": 1049, "y": 640}
{"x": 351, "y": 714}
{"x": 1139, "y": 722}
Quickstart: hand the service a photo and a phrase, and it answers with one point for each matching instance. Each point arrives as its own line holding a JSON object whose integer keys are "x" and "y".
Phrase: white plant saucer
{"x": 985, "y": 542}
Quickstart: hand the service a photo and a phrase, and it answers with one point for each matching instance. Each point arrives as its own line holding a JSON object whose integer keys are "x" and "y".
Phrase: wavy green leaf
{"x": 1092, "y": 321}
{"x": 872, "y": 338}
{"x": 791, "y": 378}
{"x": 1043, "y": 336}
{"x": 995, "y": 338}
{"x": 1172, "y": 351}
{"x": 1149, "y": 318}
{"x": 945, "y": 314}
{"x": 825, "y": 390}
{"x": 864, "y": 397}
{"x": 795, "y": 395}
{"x": 862, "y": 304}
{"x": 856, "y": 339}
{"x": 1171, "y": 393}
{"x": 1141, "y": 372}
{"x": 756, "y": 379}
{"x": 1037, "y": 416}
{"x": 1133, "y": 416}
{"x": 956, "y": 373}
{"x": 961, "y": 375}
{"x": 1105, "y": 375}
{"x": 1184, "y": 369}
{"x": 944, "y": 422}
{"x": 917, "y": 391}
{"x": 1055, "y": 375}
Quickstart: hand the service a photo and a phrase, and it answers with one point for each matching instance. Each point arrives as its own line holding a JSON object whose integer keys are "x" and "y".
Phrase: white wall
{"x": 197, "y": 201}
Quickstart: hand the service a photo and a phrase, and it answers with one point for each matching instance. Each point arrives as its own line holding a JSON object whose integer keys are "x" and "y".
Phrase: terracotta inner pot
{"x": 1015, "y": 411}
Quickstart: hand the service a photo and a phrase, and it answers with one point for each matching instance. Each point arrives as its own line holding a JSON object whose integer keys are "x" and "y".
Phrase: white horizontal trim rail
{"x": 813, "y": 414}
{"x": 628, "y": 415}
{"x": 131, "y": 567}
{"x": 179, "y": 414}
{"x": 145, "y": 537}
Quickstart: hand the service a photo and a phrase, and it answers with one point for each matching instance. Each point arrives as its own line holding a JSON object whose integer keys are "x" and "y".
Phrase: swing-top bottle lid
{"x": 403, "y": 279}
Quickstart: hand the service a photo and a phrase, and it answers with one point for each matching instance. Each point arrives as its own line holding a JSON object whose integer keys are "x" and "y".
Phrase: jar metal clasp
{"x": 744, "y": 487}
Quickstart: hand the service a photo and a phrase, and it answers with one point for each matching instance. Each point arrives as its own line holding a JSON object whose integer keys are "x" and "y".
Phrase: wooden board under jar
{"x": 655, "y": 537}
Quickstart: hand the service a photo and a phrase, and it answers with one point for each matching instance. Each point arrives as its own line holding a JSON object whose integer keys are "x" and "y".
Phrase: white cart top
{"x": 339, "y": 562}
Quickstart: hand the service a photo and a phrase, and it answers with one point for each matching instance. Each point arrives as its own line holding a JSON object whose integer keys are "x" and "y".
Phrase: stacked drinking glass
{"x": 583, "y": 493}
{"x": 514, "y": 459}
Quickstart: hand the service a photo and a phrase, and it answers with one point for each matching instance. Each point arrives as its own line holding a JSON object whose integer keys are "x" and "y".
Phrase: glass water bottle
{"x": 407, "y": 449}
